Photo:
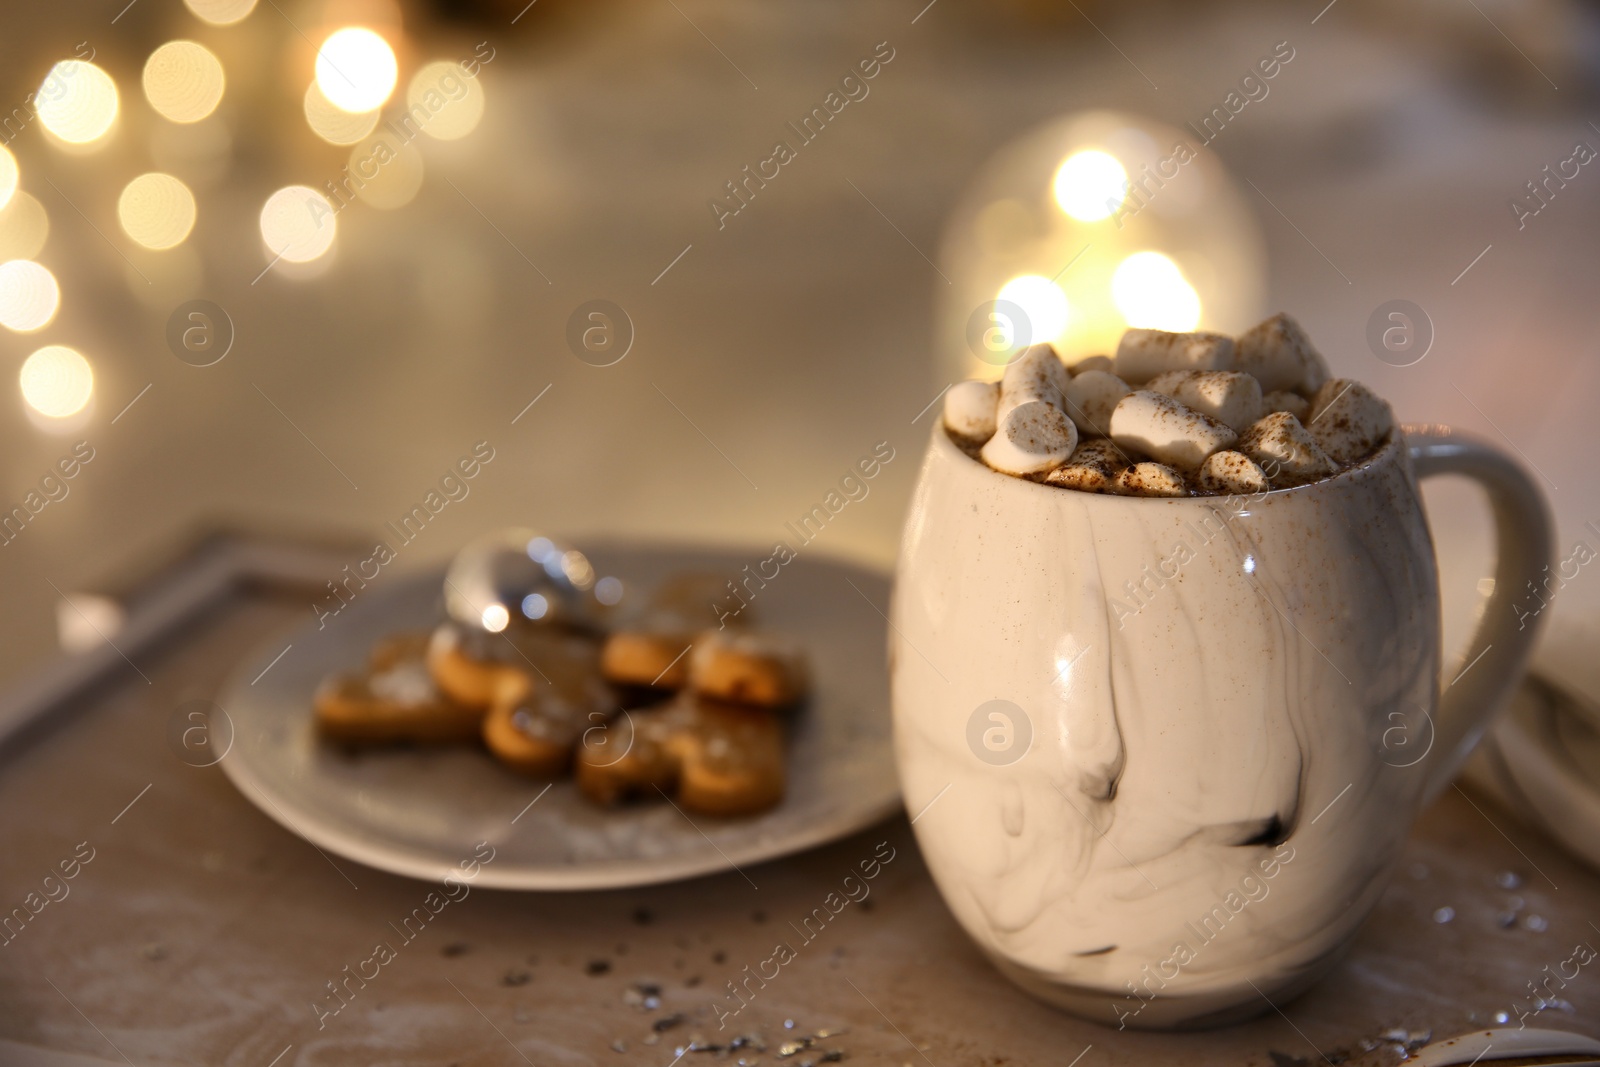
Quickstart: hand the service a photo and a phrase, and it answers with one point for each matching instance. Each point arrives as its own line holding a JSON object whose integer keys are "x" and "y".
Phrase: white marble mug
{"x": 1161, "y": 754}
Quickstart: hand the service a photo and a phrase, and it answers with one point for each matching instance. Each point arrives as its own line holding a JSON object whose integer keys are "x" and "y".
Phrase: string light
{"x": 332, "y": 124}
{"x": 356, "y": 69}
{"x": 29, "y": 296}
{"x": 1152, "y": 293}
{"x": 157, "y": 211}
{"x": 221, "y": 12}
{"x": 8, "y": 176}
{"x": 24, "y": 227}
{"x": 1042, "y": 301}
{"x": 1090, "y": 185}
{"x": 356, "y": 73}
{"x": 57, "y": 381}
{"x": 77, "y": 101}
{"x": 444, "y": 102}
{"x": 298, "y": 224}
{"x": 183, "y": 81}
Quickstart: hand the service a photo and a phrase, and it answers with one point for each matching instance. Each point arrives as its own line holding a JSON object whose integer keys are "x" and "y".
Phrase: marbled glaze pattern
{"x": 1212, "y": 684}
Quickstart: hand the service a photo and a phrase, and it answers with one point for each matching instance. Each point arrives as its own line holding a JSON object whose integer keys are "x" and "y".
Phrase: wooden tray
{"x": 202, "y": 931}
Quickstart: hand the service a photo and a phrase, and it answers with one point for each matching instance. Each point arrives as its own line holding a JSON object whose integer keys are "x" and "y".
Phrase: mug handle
{"x": 1499, "y": 649}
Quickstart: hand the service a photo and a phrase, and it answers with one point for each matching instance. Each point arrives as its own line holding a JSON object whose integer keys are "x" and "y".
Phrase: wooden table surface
{"x": 202, "y": 932}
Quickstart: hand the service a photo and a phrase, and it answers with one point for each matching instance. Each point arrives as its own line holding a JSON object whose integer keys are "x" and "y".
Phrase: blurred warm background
{"x": 197, "y": 294}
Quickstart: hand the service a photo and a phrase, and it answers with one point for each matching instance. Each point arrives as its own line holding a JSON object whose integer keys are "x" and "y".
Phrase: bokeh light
{"x": 156, "y": 210}
{"x": 1090, "y": 185}
{"x": 57, "y": 381}
{"x": 1042, "y": 301}
{"x": 1151, "y": 292}
{"x": 77, "y": 101}
{"x": 390, "y": 172}
{"x": 221, "y": 12}
{"x": 443, "y": 102}
{"x": 85, "y": 621}
{"x": 8, "y": 176}
{"x": 24, "y": 227}
{"x": 496, "y": 618}
{"x": 29, "y": 296}
{"x": 183, "y": 81}
{"x": 297, "y": 224}
{"x": 356, "y": 69}
{"x": 1077, "y": 200}
{"x": 576, "y": 566}
{"x": 332, "y": 124}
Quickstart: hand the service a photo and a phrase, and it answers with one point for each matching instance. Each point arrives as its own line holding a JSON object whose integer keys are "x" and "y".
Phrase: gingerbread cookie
{"x": 755, "y": 669}
{"x": 650, "y": 648}
{"x": 719, "y": 759}
{"x": 480, "y": 669}
{"x": 538, "y": 733}
{"x": 393, "y": 700}
{"x": 536, "y": 723}
{"x": 651, "y": 660}
{"x": 546, "y": 696}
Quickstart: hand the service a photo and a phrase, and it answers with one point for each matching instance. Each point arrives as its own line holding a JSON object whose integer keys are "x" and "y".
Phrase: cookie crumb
{"x": 646, "y": 996}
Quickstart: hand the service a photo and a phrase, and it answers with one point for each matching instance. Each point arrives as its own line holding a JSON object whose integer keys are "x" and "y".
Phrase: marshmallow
{"x": 1036, "y": 374}
{"x": 1348, "y": 419}
{"x": 969, "y": 409}
{"x": 1150, "y": 479}
{"x": 1032, "y": 438}
{"x": 1090, "y": 399}
{"x": 1280, "y": 356}
{"x": 1172, "y": 414}
{"x": 1232, "y": 474}
{"x": 1167, "y": 383}
{"x": 1231, "y": 398}
{"x": 1283, "y": 400}
{"x": 1165, "y": 430}
{"x": 1093, "y": 468}
{"x": 1143, "y": 354}
{"x": 1283, "y": 448}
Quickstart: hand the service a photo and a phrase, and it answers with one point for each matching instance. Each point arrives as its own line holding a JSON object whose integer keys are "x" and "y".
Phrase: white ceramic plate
{"x": 420, "y": 812}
